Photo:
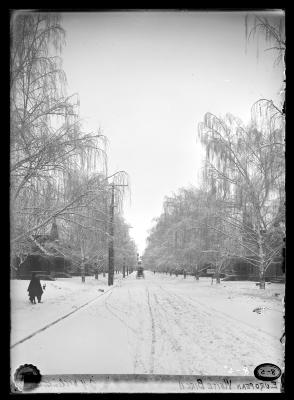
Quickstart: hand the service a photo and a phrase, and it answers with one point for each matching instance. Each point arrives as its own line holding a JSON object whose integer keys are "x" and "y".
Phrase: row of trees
{"x": 59, "y": 172}
{"x": 239, "y": 211}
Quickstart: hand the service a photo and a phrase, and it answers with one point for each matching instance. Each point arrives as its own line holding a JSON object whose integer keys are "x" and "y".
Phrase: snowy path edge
{"x": 59, "y": 319}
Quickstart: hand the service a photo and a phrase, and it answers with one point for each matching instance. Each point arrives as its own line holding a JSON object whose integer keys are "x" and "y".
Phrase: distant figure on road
{"x": 140, "y": 273}
{"x": 35, "y": 289}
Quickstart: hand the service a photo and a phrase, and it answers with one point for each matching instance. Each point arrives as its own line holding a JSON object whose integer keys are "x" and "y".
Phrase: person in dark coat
{"x": 35, "y": 289}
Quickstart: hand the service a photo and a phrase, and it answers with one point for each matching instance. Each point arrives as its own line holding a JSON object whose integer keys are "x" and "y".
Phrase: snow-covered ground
{"x": 59, "y": 298}
{"x": 156, "y": 325}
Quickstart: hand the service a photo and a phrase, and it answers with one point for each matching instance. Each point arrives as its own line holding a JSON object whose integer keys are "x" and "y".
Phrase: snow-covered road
{"x": 162, "y": 325}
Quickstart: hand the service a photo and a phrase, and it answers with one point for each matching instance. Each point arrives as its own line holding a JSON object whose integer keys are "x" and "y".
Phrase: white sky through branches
{"x": 147, "y": 79}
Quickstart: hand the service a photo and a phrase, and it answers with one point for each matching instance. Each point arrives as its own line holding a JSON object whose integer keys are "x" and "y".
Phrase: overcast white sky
{"x": 147, "y": 79}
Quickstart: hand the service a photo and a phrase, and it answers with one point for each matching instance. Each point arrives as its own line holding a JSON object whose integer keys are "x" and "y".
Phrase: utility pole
{"x": 111, "y": 238}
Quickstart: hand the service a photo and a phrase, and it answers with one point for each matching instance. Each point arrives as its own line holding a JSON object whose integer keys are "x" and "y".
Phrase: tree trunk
{"x": 261, "y": 257}
{"x": 217, "y": 277}
{"x": 124, "y": 270}
{"x": 83, "y": 276}
{"x": 96, "y": 275}
{"x": 83, "y": 272}
{"x": 262, "y": 279}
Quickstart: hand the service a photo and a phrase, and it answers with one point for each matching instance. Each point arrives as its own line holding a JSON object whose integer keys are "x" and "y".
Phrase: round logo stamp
{"x": 27, "y": 377}
{"x": 267, "y": 372}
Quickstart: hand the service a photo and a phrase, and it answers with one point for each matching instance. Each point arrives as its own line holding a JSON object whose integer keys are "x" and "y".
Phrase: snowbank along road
{"x": 161, "y": 325}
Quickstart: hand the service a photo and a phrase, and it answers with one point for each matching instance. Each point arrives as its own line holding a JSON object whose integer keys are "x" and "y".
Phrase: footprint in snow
{"x": 259, "y": 309}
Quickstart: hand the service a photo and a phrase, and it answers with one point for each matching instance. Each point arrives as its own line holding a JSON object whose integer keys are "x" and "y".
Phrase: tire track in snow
{"x": 136, "y": 340}
{"x": 201, "y": 349}
{"x": 108, "y": 306}
{"x": 220, "y": 314}
{"x": 135, "y": 346}
{"x": 153, "y": 340}
{"x": 206, "y": 311}
{"x": 165, "y": 329}
{"x": 139, "y": 364}
{"x": 189, "y": 351}
{"x": 232, "y": 335}
{"x": 133, "y": 335}
{"x": 192, "y": 357}
{"x": 231, "y": 317}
